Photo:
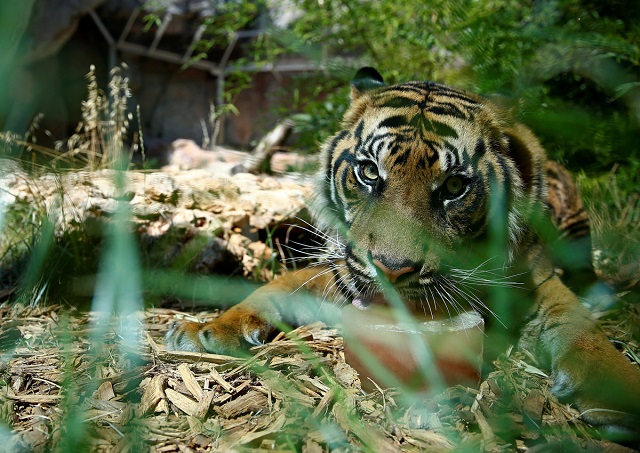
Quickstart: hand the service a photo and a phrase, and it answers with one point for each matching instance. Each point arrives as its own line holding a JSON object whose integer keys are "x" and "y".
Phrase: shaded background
{"x": 569, "y": 68}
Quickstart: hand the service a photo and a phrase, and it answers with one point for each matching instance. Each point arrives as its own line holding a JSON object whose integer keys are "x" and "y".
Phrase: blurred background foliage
{"x": 569, "y": 68}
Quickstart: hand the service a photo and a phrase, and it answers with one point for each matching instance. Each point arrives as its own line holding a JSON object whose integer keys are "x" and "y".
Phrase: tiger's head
{"x": 416, "y": 180}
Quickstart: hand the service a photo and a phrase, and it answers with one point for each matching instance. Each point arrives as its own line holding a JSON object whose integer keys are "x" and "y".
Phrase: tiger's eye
{"x": 369, "y": 171}
{"x": 454, "y": 186}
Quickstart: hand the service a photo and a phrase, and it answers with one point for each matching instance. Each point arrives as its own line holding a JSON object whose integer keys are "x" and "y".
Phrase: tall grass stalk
{"x": 100, "y": 136}
{"x": 615, "y": 222}
{"x": 118, "y": 287}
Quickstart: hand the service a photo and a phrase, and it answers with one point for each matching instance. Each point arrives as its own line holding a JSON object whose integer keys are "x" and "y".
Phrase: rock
{"x": 246, "y": 182}
{"x": 169, "y": 210}
{"x": 160, "y": 187}
{"x": 197, "y": 218}
{"x": 53, "y": 23}
{"x": 186, "y": 155}
{"x": 215, "y": 257}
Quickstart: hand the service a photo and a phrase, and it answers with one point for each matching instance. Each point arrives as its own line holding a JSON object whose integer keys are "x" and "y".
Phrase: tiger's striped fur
{"x": 422, "y": 187}
{"x": 421, "y": 137}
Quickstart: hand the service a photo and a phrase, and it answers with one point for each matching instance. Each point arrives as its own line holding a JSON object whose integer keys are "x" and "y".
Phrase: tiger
{"x": 415, "y": 190}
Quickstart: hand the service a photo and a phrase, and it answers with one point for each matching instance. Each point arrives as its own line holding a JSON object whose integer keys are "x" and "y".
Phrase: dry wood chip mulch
{"x": 61, "y": 387}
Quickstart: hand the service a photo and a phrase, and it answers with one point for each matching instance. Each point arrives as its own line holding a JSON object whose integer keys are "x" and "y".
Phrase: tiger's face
{"x": 418, "y": 178}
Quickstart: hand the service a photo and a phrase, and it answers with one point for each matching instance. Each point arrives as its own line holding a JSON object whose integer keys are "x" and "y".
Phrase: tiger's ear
{"x": 366, "y": 79}
{"x": 528, "y": 155}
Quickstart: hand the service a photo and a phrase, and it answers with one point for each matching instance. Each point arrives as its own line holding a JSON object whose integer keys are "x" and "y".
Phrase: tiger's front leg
{"x": 587, "y": 370}
{"x": 291, "y": 300}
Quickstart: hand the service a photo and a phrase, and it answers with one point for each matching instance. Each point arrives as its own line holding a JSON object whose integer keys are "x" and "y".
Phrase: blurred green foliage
{"x": 569, "y": 68}
{"x": 14, "y": 20}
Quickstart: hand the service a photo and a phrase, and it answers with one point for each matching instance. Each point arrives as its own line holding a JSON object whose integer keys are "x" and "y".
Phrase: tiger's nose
{"x": 392, "y": 269}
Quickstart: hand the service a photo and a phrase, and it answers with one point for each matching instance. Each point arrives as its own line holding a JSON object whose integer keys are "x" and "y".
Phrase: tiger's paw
{"x": 232, "y": 333}
{"x": 604, "y": 387}
{"x": 184, "y": 336}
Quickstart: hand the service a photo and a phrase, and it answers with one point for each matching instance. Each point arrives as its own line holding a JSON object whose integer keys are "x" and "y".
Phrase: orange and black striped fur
{"x": 427, "y": 193}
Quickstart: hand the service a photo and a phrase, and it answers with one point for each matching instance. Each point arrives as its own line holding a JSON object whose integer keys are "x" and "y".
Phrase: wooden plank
{"x": 182, "y": 402}
{"x": 221, "y": 381}
{"x": 190, "y": 381}
{"x": 35, "y": 399}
